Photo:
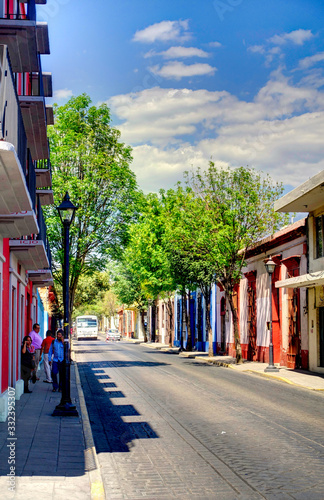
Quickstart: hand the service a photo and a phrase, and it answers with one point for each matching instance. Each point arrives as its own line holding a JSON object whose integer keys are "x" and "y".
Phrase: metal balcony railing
{"x": 31, "y": 83}
{"x": 17, "y": 10}
{"x": 43, "y": 232}
{"x": 43, "y": 165}
{"x": 11, "y": 122}
{"x": 31, "y": 180}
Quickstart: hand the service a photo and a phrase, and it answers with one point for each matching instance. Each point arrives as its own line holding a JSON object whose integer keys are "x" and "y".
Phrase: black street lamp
{"x": 270, "y": 267}
{"x": 65, "y": 409}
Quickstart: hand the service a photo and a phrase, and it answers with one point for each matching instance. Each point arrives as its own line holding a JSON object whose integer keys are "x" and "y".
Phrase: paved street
{"x": 169, "y": 427}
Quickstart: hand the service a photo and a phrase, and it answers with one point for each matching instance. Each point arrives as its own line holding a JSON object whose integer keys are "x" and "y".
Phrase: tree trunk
{"x": 209, "y": 329}
{"x": 170, "y": 320}
{"x": 206, "y": 290}
{"x": 149, "y": 318}
{"x": 181, "y": 323}
{"x": 153, "y": 332}
{"x": 187, "y": 320}
{"x": 143, "y": 325}
{"x": 237, "y": 340}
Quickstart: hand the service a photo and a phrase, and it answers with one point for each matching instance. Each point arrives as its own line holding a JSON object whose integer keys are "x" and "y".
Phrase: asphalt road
{"x": 168, "y": 427}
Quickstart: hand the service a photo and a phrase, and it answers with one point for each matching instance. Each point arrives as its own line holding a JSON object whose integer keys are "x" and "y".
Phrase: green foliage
{"x": 89, "y": 161}
{"x": 235, "y": 210}
{"x": 94, "y": 295}
{"x": 145, "y": 260}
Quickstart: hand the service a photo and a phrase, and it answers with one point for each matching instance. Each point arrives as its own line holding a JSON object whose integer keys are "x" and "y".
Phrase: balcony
{"x": 41, "y": 277}
{"x": 43, "y": 173}
{"x": 24, "y": 37}
{"x": 33, "y": 109}
{"x": 33, "y": 252}
{"x": 15, "y": 224}
{"x": 14, "y": 160}
{"x": 46, "y": 195}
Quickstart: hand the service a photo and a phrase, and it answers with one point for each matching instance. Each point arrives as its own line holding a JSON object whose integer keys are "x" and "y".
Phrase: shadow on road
{"x": 110, "y": 433}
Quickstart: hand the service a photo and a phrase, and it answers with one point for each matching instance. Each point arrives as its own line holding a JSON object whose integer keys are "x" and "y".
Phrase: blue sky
{"x": 236, "y": 81}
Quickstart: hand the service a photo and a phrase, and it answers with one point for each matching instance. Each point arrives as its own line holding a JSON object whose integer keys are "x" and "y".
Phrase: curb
{"x": 91, "y": 458}
{"x": 271, "y": 377}
{"x": 283, "y": 379}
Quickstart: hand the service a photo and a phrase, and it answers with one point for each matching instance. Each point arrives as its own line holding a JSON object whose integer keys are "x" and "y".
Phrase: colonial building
{"x": 309, "y": 198}
{"x": 288, "y": 250}
{"x": 25, "y": 174}
{"x": 197, "y": 311}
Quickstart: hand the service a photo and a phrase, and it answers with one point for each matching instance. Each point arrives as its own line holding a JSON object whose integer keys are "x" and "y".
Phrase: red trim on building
{"x": 5, "y": 317}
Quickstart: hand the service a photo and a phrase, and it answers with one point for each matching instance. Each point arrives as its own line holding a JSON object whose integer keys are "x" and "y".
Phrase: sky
{"x": 236, "y": 82}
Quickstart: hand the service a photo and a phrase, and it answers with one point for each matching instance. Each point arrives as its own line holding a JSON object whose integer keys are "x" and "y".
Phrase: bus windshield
{"x": 86, "y": 322}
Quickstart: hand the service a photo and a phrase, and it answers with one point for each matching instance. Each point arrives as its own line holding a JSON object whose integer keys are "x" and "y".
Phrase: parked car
{"x": 113, "y": 335}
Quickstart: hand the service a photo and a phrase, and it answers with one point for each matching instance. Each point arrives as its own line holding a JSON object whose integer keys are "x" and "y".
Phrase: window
{"x": 319, "y": 236}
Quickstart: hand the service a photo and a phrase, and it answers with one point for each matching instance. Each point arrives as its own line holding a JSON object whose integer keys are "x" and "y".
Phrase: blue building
{"x": 197, "y": 313}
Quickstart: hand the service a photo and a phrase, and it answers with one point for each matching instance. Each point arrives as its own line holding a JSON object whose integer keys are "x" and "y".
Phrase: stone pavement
{"x": 54, "y": 457}
{"x": 300, "y": 378}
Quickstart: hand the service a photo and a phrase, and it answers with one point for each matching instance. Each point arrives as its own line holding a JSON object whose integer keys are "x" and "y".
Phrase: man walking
{"x": 57, "y": 351}
{"x": 37, "y": 344}
{"x": 46, "y": 344}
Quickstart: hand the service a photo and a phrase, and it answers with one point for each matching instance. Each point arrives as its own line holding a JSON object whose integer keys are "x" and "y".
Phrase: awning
{"x": 306, "y": 280}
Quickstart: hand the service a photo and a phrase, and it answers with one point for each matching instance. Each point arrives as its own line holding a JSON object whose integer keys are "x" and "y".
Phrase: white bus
{"x": 86, "y": 327}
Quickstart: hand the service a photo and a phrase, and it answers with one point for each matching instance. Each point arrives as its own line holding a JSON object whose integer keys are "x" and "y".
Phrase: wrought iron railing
{"x": 16, "y": 10}
{"x": 31, "y": 180}
{"x": 42, "y": 235}
{"x": 43, "y": 164}
{"x": 31, "y": 83}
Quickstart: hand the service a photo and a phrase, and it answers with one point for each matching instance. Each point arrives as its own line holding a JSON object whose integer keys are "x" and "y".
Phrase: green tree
{"x": 145, "y": 257}
{"x": 183, "y": 242}
{"x": 128, "y": 289}
{"x": 235, "y": 210}
{"x": 89, "y": 161}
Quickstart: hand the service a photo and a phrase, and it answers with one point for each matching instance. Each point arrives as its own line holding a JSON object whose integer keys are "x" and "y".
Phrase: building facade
{"x": 25, "y": 173}
{"x": 309, "y": 198}
{"x": 288, "y": 250}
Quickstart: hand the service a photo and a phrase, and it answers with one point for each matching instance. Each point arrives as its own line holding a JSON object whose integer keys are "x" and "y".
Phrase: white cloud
{"x": 169, "y": 164}
{"x": 178, "y": 52}
{"x": 62, "y": 94}
{"x": 257, "y": 49}
{"x": 307, "y": 62}
{"x": 279, "y": 132}
{"x": 297, "y": 37}
{"x": 179, "y": 70}
{"x": 215, "y": 44}
{"x": 164, "y": 31}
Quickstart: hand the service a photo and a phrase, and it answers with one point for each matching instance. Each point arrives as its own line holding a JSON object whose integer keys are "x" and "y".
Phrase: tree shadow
{"x": 111, "y": 433}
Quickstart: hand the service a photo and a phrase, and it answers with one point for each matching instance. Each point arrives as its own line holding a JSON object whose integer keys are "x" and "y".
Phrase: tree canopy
{"x": 235, "y": 210}
{"x": 91, "y": 163}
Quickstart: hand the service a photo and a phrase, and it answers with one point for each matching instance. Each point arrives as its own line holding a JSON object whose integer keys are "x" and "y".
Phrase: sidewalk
{"x": 54, "y": 457}
{"x": 300, "y": 378}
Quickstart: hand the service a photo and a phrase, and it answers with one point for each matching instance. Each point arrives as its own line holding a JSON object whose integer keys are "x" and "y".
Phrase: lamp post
{"x": 66, "y": 212}
{"x": 270, "y": 267}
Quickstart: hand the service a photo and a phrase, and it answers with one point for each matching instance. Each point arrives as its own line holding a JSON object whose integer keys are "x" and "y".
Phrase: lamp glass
{"x": 66, "y": 210}
{"x": 66, "y": 214}
{"x": 270, "y": 266}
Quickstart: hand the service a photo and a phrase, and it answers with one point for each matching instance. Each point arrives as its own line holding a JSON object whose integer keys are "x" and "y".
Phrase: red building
{"x": 25, "y": 175}
{"x": 288, "y": 249}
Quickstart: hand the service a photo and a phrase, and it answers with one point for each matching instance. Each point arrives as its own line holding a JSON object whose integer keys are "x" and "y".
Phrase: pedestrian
{"x": 27, "y": 361}
{"x": 46, "y": 344}
{"x": 57, "y": 351}
{"x": 37, "y": 343}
